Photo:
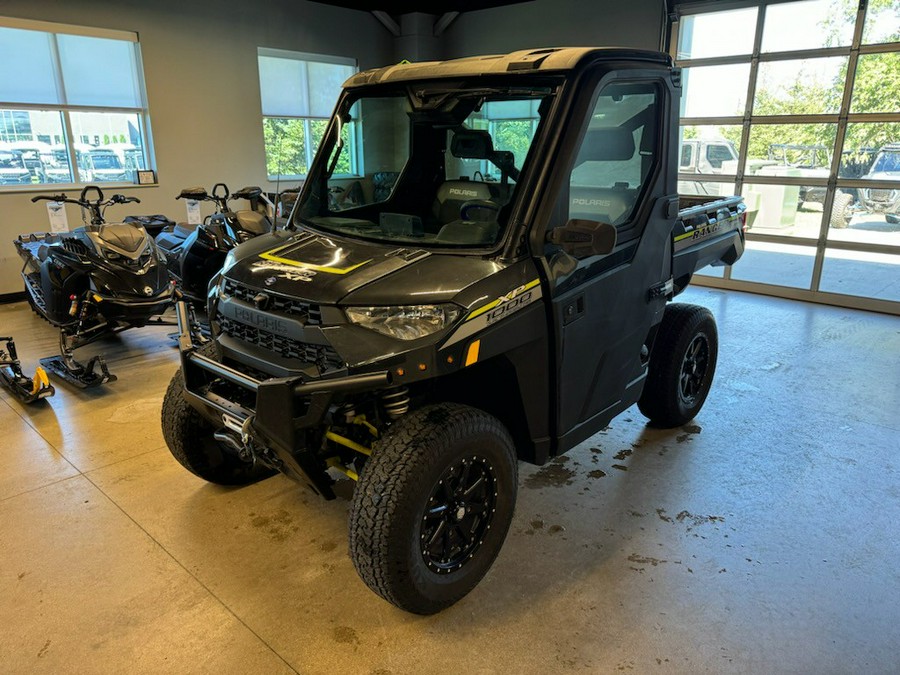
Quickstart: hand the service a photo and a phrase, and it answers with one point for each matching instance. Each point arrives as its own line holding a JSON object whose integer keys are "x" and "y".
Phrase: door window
{"x": 617, "y": 154}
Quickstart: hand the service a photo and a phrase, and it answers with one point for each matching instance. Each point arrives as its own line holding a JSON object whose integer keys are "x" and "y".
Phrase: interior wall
{"x": 556, "y": 23}
{"x": 203, "y": 90}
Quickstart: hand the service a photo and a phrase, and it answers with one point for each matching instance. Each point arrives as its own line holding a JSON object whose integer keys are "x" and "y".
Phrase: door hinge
{"x": 662, "y": 289}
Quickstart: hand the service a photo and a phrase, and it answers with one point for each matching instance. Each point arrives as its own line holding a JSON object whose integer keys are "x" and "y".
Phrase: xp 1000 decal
{"x": 499, "y": 309}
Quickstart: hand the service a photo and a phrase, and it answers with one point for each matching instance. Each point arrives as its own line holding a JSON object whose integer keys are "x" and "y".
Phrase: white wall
{"x": 556, "y": 23}
{"x": 202, "y": 86}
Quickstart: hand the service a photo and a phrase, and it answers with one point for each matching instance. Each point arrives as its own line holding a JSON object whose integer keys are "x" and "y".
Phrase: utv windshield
{"x": 424, "y": 166}
{"x": 105, "y": 161}
{"x": 887, "y": 162}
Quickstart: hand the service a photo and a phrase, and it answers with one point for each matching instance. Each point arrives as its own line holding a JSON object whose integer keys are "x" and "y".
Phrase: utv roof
{"x": 553, "y": 59}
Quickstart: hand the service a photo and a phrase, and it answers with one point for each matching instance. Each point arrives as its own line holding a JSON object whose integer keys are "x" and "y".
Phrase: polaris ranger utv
{"x": 503, "y": 300}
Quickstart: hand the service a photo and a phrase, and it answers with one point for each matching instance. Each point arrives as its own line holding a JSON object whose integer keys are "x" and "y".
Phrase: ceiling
{"x": 398, "y": 7}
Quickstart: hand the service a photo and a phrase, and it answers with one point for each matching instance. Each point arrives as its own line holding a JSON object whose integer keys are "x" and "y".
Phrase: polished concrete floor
{"x": 762, "y": 538}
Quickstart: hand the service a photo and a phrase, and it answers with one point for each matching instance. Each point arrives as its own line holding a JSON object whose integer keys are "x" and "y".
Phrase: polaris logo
{"x": 462, "y": 193}
{"x": 261, "y": 321}
{"x": 591, "y": 202}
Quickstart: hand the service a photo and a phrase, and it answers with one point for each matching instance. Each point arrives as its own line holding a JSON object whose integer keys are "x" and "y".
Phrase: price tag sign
{"x": 58, "y": 220}
{"x": 193, "y": 212}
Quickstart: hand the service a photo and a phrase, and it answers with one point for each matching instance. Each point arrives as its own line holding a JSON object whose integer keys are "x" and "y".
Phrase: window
{"x": 298, "y": 93}
{"x": 74, "y": 108}
{"x": 687, "y": 155}
{"x": 819, "y": 141}
{"x": 717, "y": 154}
{"x": 434, "y": 176}
{"x": 616, "y": 154}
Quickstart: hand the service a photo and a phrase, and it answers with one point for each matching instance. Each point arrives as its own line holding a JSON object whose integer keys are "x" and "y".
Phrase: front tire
{"x": 840, "y": 216}
{"x": 190, "y": 440}
{"x": 432, "y": 506}
{"x": 682, "y": 366}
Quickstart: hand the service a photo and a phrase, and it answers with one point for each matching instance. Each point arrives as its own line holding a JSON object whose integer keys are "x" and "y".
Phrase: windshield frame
{"x": 551, "y": 85}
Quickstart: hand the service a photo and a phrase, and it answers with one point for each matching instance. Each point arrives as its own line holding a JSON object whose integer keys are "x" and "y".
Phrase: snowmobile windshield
{"x": 425, "y": 165}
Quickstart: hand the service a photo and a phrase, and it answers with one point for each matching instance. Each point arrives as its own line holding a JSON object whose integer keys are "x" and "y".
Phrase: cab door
{"x": 605, "y": 308}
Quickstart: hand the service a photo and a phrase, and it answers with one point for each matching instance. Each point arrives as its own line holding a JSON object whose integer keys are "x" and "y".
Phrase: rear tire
{"x": 682, "y": 366}
{"x": 432, "y": 506}
{"x": 190, "y": 440}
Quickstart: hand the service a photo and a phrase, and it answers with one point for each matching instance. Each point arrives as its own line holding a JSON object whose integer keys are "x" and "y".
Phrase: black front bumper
{"x": 133, "y": 311}
{"x": 284, "y": 409}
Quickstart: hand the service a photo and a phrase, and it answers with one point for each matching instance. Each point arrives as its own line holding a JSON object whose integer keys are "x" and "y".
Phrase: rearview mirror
{"x": 584, "y": 238}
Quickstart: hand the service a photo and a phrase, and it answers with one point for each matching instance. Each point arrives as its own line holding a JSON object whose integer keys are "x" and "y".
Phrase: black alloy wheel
{"x": 682, "y": 366}
{"x": 433, "y": 505}
{"x": 693, "y": 369}
{"x": 458, "y": 514}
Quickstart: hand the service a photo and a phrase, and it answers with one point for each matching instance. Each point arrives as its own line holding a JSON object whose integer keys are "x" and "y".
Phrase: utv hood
{"x": 329, "y": 270}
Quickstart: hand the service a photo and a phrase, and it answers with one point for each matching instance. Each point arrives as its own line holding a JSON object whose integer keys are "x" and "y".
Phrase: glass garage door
{"x": 796, "y": 106}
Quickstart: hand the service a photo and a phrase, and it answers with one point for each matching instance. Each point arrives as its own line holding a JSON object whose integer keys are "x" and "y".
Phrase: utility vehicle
{"x": 502, "y": 301}
{"x": 883, "y": 200}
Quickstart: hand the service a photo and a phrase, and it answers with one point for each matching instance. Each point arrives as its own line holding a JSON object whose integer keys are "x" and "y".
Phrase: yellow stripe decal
{"x": 270, "y": 255}
{"x": 684, "y": 236}
{"x": 488, "y": 307}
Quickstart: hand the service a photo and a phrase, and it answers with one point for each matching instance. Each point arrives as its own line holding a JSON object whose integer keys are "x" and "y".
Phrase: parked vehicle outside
{"x": 883, "y": 200}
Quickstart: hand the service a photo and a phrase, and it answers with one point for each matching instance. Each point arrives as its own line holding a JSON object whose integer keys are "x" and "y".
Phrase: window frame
{"x": 66, "y": 110}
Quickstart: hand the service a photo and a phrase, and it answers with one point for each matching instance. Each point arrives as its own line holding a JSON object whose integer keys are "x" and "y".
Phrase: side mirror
{"x": 584, "y": 238}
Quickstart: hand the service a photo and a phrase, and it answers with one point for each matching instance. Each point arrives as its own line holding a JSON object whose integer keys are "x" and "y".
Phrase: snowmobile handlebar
{"x": 95, "y": 207}
{"x": 87, "y": 203}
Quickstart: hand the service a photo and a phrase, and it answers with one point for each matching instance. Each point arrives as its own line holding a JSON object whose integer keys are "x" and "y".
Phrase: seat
{"x": 184, "y": 230}
{"x": 452, "y": 194}
{"x": 253, "y": 222}
{"x": 597, "y": 193}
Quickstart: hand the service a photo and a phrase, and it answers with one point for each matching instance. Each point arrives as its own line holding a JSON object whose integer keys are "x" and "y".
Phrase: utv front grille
{"x": 881, "y": 195}
{"x": 307, "y": 312}
{"x": 322, "y": 356}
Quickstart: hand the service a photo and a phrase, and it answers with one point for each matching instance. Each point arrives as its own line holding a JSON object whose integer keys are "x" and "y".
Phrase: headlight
{"x": 229, "y": 262}
{"x": 406, "y": 322}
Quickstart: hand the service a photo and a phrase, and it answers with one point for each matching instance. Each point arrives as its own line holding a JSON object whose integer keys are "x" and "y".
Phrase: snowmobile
{"x": 195, "y": 253}
{"x": 26, "y": 389}
{"x": 97, "y": 280}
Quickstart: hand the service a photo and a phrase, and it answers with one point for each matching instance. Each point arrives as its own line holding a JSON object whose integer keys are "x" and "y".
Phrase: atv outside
{"x": 814, "y": 161}
{"x": 883, "y": 200}
{"x": 503, "y": 300}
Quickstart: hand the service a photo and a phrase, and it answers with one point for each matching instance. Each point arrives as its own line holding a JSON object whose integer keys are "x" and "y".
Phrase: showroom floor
{"x": 760, "y": 538}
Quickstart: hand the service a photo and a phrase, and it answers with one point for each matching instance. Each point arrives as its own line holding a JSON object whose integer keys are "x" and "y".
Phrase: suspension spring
{"x": 396, "y": 402}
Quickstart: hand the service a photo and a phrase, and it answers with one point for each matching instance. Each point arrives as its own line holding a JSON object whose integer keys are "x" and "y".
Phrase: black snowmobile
{"x": 194, "y": 253}
{"x": 96, "y": 280}
{"x": 26, "y": 389}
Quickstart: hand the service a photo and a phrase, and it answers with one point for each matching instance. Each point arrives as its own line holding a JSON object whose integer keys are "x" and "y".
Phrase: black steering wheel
{"x": 478, "y": 204}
